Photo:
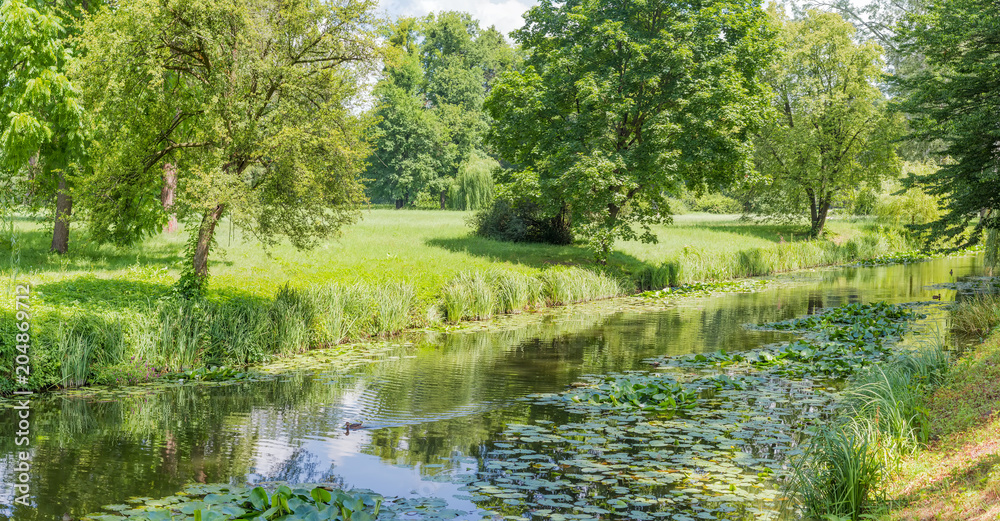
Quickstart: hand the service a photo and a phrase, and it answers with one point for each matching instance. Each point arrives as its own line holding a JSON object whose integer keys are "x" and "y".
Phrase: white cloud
{"x": 504, "y": 14}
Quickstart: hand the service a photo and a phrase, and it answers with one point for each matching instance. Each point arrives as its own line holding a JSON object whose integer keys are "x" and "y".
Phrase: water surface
{"x": 431, "y": 409}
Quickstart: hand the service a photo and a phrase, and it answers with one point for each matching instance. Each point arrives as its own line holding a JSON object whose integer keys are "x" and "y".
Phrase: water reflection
{"x": 431, "y": 408}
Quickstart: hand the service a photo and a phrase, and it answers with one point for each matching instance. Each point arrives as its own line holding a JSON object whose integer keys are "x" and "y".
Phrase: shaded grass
{"x": 958, "y": 475}
{"x": 977, "y": 316}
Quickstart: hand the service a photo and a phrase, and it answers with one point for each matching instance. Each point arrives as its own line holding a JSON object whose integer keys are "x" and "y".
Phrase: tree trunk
{"x": 64, "y": 209}
{"x": 821, "y": 209}
{"x": 167, "y": 195}
{"x": 204, "y": 243}
{"x": 444, "y": 198}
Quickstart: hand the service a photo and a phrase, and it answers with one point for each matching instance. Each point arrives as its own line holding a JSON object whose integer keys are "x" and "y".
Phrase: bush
{"x": 716, "y": 203}
{"x": 499, "y": 221}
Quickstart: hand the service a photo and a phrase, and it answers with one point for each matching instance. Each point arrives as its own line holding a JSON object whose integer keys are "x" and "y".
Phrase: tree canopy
{"x": 957, "y": 98}
{"x": 253, "y": 102}
{"x": 832, "y": 130}
{"x": 619, "y": 103}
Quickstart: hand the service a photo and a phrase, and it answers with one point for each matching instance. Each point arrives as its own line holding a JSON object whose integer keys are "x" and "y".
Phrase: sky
{"x": 504, "y": 14}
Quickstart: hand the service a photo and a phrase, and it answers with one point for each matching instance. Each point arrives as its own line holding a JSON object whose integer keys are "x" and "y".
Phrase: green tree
{"x": 430, "y": 103}
{"x": 832, "y": 131}
{"x": 621, "y": 102}
{"x": 42, "y": 131}
{"x": 251, "y": 101}
{"x": 957, "y": 99}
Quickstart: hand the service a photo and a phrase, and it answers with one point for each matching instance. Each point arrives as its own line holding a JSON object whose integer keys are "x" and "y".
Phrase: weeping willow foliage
{"x": 473, "y": 188}
{"x": 992, "y": 248}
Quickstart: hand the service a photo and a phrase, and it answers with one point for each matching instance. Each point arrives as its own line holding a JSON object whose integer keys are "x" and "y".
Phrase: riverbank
{"x": 107, "y": 316}
{"x": 958, "y": 475}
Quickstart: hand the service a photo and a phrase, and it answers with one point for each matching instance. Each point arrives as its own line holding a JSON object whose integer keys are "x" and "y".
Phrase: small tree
{"x": 831, "y": 131}
{"x": 251, "y": 101}
{"x": 41, "y": 121}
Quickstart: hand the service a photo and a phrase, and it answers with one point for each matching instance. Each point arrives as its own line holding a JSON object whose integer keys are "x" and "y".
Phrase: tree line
{"x": 126, "y": 116}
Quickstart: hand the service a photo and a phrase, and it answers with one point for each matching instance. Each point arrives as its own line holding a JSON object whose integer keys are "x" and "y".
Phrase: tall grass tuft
{"x": 515, "y": 291}
{"x": 699, "y": 265}
{"x": 569, "y": 285}
{"x": 976, "y": 316}
{"x": 393, "y": 302}
{"x": 468, "y": 296}
{"x": 182, "y": 329}
{"x": 331, "y": 324}
{"x": 75, "y": 349}
{"x": 292, "y": 315}
{"x": 842, "y": 474}
{"x": 238, "y": 332}
{"x": 884, "y": 419}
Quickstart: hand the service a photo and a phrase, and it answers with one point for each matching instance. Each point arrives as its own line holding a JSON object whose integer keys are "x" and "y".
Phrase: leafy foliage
{"x": 831, "y": 131}
{"x": 618, "y": 103}
{"x": 251, "y": 102}
{"x": 954, "y": 99}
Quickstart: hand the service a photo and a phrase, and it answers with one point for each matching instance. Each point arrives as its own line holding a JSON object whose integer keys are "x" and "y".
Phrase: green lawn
{"x": 425, "y": 248}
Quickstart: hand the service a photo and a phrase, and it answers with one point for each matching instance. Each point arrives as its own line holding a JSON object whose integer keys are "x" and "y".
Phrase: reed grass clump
{"x": 182, "y": 327}
{"x": 75, "y": 350}
{"x": 238, "y": 332}
{"x": 393, "y": 302}
{"x": 702, "y": 264}
{"x": 515, "y": 291}
{"x": 569, "y": 285}
{"x": 976, "y": 316}
{"x": 844, "y": 470}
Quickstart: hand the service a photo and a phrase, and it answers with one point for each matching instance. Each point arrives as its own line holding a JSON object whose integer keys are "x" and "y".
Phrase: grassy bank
{"x": 106, "y": 315}
{"x": 958, "y": 475}
{"x": 915, "y": 438}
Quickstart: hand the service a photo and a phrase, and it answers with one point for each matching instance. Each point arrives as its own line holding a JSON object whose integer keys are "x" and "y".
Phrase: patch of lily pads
{"x": 713, "y": 439}
{"x": 284, "y": 502}
{"x": 707, "y": 288}
{"x": 834, "y": 344}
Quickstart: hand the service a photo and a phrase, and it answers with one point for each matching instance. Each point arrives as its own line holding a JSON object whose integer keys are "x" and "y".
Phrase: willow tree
{"x": 620, "y": 103}
{"x": 253, "y": 103}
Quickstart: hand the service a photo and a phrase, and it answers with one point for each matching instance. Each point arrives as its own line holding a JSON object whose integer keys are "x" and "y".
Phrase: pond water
{"x": 432, "y": 410}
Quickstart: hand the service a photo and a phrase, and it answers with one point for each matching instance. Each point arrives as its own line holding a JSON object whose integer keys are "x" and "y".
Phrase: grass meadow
{"x": 103, "y": 314}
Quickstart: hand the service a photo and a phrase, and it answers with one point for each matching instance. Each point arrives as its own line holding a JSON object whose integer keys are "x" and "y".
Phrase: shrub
{"x": 716, "y": 203}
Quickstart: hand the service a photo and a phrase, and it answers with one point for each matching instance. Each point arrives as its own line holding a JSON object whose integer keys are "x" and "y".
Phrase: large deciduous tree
{"x": 957, "y": 99}
{"x": 41, "y": 122}
{"x": 253, "y": 103}
{"x": 832, "y": 131}
{"x": 622, "y": 101}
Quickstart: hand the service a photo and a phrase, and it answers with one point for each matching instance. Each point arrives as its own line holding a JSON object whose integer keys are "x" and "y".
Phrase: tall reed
{"x": 976, "y": 316}
{"x": 292, "y": 315}
{"x": 75, "y": 350}
{"x": 698, "y": 265}
{"x": 182, "y": 329}
{"x": 845, "y": 467}
{"x": 238, "y": 332}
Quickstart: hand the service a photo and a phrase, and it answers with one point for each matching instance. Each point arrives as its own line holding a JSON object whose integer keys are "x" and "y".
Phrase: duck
{"x": 354, "y": 426}
{"x": 936, "y": 297}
